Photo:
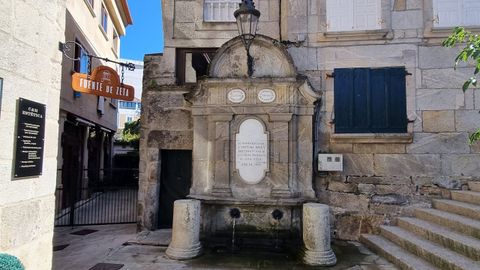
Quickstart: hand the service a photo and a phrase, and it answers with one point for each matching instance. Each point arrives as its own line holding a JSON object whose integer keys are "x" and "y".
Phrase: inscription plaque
{"x": 236, "y": 96}
{"x": 267, "y": 95}
{"x": 30, "y": 138}
{"x": 251, "y": 151}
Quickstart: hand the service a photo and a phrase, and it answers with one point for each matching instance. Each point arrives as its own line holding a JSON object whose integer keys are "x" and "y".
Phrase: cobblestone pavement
{"x": 113, "y": 247}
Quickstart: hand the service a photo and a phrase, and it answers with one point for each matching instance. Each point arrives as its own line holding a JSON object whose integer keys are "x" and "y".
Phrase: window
{"x": 80, "y": 66}
{"x": 104, "y": 18}
{"x": 192, "y": 64}
{"x": 370, "y": 100}
{"x": 219, "y": 10}
{"x": 91, "y": 2}
{"x": 352, "y": 15}
{"x": 127, "y": 105}
{"x": 448, "y": 13}
{"x": 129, "y": 119}
{"x": 115, "y": 41}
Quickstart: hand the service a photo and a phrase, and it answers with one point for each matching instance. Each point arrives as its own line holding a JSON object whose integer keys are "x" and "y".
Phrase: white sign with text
{"x": 251, "y": 151}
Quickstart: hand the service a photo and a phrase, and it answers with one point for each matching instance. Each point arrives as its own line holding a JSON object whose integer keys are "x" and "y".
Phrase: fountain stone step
{"x": 466, "y": 196}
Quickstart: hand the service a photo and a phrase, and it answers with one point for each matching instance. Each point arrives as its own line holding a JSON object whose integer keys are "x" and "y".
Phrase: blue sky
{"x": 146, "y": 34}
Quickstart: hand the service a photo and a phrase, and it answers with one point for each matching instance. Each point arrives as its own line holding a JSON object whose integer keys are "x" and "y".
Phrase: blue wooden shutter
{"x": 343, "y": 99}
{"x": 397, "y": 100}
{"x": 370, "y": 100}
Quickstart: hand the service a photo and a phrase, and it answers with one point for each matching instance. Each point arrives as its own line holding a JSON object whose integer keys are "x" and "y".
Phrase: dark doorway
{"x": 175, "y": 182}
{"x": 72, "y": 165}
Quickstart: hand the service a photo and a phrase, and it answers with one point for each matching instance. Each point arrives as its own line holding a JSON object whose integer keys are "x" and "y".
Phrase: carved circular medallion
{"x": 236, "y": 95}
{"x": 267, "y": 95}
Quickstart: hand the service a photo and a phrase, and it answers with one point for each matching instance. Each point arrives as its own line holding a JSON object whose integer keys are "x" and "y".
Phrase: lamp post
{"x": 247, "y": 20}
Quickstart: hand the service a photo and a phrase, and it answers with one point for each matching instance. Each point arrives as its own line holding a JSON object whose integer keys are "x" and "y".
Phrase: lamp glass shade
{"x": 247, "y": 28}
{"x": 247, "y": 20}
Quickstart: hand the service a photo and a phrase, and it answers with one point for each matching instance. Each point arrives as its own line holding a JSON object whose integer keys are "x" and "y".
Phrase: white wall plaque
{"x": 236, "y": 95}
{"x": 251, "y": 151}
{"x": 266, "y": 95}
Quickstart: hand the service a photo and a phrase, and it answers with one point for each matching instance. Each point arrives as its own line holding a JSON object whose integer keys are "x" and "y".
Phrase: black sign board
{"x": 30, "y": 138}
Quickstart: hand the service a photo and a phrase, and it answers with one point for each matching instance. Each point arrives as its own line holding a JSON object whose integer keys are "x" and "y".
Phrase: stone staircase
{"x": 445, "y": 237}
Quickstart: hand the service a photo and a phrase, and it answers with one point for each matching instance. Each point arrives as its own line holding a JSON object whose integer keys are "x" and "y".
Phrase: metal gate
{"x": 109, "y": 199}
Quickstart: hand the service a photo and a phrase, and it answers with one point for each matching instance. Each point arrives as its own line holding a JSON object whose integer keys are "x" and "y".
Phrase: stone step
{"x": 466, "y": 196}
{"x": 474, "y": 186}
{"x": 458, "y": 223}
{"x": 456, "y": 207}
{"x": 429, "y": 251}
{"x": 401, "y": 258}
{"x": 466, "y": 245}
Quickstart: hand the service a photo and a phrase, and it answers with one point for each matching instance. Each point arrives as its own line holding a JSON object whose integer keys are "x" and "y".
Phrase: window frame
{"x": 220, "y": 2}
{"x": 462, "y": 17}
{"x": 352, "y": 129}
{"x": 434, "y": 32}
{"x": 115, "y": 41}
{"x": 80, "y": 52}
{"x": 354, "y": 15}
{"x": 91, "y": 6}
{"x": 104, "y": 19}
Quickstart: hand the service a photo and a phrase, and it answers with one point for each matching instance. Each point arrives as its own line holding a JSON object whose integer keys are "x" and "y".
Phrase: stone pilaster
{"x": 220, "y": 124}
{"x": 280, "y": 140}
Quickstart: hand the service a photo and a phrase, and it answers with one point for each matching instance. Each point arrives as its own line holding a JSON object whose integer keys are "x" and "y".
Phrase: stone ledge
{"x": 265, "y": 202}
{"x": 443, "y": 32}
{"x": 371, "y": 138}
{"x": 357, "y": 35}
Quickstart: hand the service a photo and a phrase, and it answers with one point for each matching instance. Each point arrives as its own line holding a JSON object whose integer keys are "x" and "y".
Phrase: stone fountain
{"x": 252, "y": 144}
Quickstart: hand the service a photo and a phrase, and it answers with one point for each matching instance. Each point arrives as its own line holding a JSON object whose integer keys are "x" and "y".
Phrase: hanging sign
{"x": 30, "y": 138}
{"x": 103, "y": 82}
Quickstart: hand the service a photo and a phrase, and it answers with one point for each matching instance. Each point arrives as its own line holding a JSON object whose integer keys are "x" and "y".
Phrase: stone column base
{"x": 319, "y": 258}
{"x": 185, "y": 242}
{"x": 316, "y": 235}
{"x": 184, "y": 253}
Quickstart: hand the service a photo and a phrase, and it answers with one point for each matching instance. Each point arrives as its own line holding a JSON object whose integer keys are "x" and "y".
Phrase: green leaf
{"x": 466, "y": 85}
{"x": 474, "y": 137}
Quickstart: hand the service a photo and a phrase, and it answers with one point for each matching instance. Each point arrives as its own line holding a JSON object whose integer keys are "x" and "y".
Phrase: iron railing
{"x": 110, "y": 199}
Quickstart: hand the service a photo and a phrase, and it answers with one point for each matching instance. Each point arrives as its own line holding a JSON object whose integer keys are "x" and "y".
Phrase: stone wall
{"x": 387, "y": 176}
{"x": 30, "y": 65}
{"x": 166, "y": 124}
{"x": 384, "y": 175}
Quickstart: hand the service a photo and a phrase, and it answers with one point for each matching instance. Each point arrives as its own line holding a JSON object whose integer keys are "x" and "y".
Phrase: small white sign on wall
{"x": 330, "y": 162}
{"x": 267, "y": 95}
{"x": 251, "y": 151}
{"x": 236, "y": 96}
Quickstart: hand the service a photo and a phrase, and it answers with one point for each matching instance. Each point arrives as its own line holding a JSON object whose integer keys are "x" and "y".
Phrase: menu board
{"x": 30, "y": 138}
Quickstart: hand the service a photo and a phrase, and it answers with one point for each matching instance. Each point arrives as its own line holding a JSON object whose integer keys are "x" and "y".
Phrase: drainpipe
{"x": 280, "y": 20}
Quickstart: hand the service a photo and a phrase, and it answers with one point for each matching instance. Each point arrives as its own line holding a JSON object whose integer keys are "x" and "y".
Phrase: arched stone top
{"x": 271, "y": 59}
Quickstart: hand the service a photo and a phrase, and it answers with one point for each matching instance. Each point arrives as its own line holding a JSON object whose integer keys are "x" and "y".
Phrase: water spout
{"x": 277, "y": 215}
{"x": 234, "y": 214}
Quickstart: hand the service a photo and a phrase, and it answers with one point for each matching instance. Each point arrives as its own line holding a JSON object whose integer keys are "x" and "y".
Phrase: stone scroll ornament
{"x": 251, "y": 151}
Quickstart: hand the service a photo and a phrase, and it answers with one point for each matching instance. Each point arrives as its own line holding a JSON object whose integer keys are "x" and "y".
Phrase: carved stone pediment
{"x": 270, "y": 59}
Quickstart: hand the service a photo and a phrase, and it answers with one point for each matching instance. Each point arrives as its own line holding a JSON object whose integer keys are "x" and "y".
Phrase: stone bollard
{"x": 316, "y": 235}
{"x": 185, "y": 242}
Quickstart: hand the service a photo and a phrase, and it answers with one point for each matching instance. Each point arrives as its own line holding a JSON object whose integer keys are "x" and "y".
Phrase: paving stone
{"x": 83, "y": 232}
{"x": 106, "y": 266}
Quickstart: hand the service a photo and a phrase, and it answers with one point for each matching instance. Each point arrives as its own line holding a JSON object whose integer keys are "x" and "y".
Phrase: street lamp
{"x": 247, "y": 20}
